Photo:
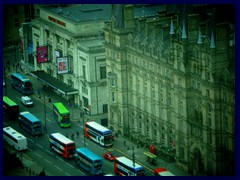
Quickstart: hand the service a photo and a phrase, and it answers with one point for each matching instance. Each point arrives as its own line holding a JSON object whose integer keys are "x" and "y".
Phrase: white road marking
{"x": 59, "y": 158}
{"x": 30, "y": 140}
{"x": 49, "y": 151}
{"x": 38, "y": 154}
{"x": 70, "y": 165}
{"x": 48, "y": 161}
{"x": 58, "y": 168}
{"x": 39, "y": 145}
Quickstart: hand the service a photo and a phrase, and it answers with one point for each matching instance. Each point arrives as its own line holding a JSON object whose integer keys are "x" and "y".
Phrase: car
{"x": 109, "y": 156}
{"x": 27, "y": 101}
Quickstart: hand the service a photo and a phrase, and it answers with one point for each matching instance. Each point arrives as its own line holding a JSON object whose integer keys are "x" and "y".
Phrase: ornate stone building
{"x": 170, "y": 74}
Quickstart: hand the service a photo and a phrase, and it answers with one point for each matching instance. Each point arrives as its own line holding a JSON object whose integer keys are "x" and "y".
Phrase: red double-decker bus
{"x": 62, "y": 145}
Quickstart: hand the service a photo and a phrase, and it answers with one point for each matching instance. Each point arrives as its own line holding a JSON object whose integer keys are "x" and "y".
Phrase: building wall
{"x": 86, "y": 56}
{"x": 166, "y": 88}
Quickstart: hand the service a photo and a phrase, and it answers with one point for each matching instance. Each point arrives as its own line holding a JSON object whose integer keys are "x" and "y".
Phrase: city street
{"x": 39, "y": 152}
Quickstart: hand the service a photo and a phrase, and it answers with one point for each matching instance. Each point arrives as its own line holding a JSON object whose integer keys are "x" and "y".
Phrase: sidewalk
{"x": 140, "y": 158}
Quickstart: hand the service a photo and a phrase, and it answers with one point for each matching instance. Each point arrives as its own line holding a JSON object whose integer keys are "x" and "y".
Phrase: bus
{"x": 21, "y": 83}
{"x": 61, "y": 114}
{"x": 10, "y": 108}
{"x": 30, "y": 123}
{"x": 62, "y": 145}
{"x": 98, "y": 133}
{"x": 90, "y": 162}
{"x": 125, "y": 167}
{"x": 162, "y": 172}
{"x": 14, "y": 138}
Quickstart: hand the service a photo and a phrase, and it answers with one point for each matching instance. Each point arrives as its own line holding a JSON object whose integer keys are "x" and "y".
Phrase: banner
{"x": 62, "y": 64}
{"x": 42, "y": 54}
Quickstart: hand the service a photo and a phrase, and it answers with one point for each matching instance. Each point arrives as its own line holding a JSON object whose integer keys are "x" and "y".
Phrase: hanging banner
{"x": 42, "y": 54}
{"x": 62, "y": 64}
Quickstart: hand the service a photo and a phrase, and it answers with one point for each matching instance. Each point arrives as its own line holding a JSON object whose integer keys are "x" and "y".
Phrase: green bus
{"x": 10, "y": 108}
{"x": 61, "y": 114}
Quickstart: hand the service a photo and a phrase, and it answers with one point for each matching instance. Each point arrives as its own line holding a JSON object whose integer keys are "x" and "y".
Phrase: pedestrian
{"x": 77, "y": 134}
{"x": 72, "y": 136}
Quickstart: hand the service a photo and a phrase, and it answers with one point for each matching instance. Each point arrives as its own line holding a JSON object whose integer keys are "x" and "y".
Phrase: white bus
{"x": 98, "y": 133}
{"x": 62, "y": 145}
{"x": 14, "y": 138}
{"x": 126, "y": 167}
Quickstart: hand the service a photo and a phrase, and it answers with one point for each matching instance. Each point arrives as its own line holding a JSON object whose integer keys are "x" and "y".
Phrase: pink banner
{"x": 42, "y": 54}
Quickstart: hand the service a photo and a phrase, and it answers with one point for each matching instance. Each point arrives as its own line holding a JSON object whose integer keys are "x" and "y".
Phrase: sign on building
{"x": 42, "y": 54}
{"x": 62, "y": 64}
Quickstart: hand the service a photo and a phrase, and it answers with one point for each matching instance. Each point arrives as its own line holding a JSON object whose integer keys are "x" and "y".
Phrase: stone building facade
{"x": 170, "y": 74}
{"x": 75, "y": 32}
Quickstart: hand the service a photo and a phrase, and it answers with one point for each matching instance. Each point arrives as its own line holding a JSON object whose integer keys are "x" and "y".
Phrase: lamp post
{"x": 45, "y": 118}
{"x": 82, "y": 115}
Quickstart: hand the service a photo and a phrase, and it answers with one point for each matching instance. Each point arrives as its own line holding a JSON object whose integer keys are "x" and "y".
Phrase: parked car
{"x": 27, "y": 101}
{"x": 108, "y": 156}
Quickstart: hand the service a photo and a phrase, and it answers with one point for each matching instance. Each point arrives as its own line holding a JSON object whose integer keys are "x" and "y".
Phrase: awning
{"x": 54, "y": 83}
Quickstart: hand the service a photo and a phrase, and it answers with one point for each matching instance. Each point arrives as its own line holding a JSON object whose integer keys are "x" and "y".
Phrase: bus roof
{"x": 9, "y": 101}
{"x": 162, "y": 172}
{"x": 13, "y": 133}
{"x": 61, "y": 108}
{"x": 97, "y": 126}
{"x": 128, "y": 162}
{"x": 88, "y": 153}
{"x": 30, "y": 116}
{"x": 20, "y": 76}
{"x": 61, "y": 138}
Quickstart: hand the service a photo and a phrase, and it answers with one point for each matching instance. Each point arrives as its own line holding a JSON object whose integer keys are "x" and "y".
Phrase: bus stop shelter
{"x": 151, "y": 158}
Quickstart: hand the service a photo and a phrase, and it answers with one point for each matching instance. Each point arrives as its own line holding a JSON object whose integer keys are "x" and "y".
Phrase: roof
{"x": 88, "y": 153}
{"x": 128, "y": 162}
{"x": 13, "y": 133}
{"x": 9, "y": 101}
{"x": 20, "y": 76}
{"x": 82, "y": 12}
{"x": 54, "y": 83}
{"x": 61, "y": 138}
{"x": 98, "y": 126}
{"x": 30, "y": 116}
{"x": 62, "y": 109}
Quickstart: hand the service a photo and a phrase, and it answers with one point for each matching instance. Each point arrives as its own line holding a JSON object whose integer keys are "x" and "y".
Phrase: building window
{"x": 113, "y": 97}
{"x": 208, "y": 93}
{"x": 209, "y": 122}
{"x": 163, "y": 136}
{"x": 210, "y": 138}
{"x": 105, "y": 108}
{"x": 113, "y": 82}
{"x": 103, "y": 72}
{"x": 70, "y": 63}
{"x": 84, "y": 72}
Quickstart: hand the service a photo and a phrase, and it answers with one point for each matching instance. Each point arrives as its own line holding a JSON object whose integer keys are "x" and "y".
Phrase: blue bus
{"x": 90, "y": 162}
{"x": 21, "y": 83}
{"x": 30, "y": 123}
{"x": 98, "y": 133}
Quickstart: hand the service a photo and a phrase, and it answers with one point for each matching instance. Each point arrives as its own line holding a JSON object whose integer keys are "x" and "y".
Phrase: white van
{"x": 27, "y": 101}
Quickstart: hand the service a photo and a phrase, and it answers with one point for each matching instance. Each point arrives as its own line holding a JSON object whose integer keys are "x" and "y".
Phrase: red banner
{"x": 42, "y": 54}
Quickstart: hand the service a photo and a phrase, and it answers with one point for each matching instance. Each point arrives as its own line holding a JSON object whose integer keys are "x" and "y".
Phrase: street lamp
{"x": 82, "y": 113}
{"x": 45, "y": 118}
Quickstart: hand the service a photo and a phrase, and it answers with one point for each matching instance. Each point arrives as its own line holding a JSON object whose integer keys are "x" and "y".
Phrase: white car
{"x": 27, "y": 101}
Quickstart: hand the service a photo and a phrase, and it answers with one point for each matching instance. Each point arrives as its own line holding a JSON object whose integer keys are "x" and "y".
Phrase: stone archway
{"x": 197, "y": 162}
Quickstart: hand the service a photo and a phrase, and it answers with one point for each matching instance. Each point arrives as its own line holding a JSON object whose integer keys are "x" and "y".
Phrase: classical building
{"x": 170, "y": 74}
{"x": 72, "y": 34}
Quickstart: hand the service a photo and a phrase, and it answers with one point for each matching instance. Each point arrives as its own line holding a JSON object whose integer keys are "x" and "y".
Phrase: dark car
{"x": 108, "y": 156}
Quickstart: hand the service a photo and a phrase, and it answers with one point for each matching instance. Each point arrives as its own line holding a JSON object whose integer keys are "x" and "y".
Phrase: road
{"x": 38, "y": 147}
